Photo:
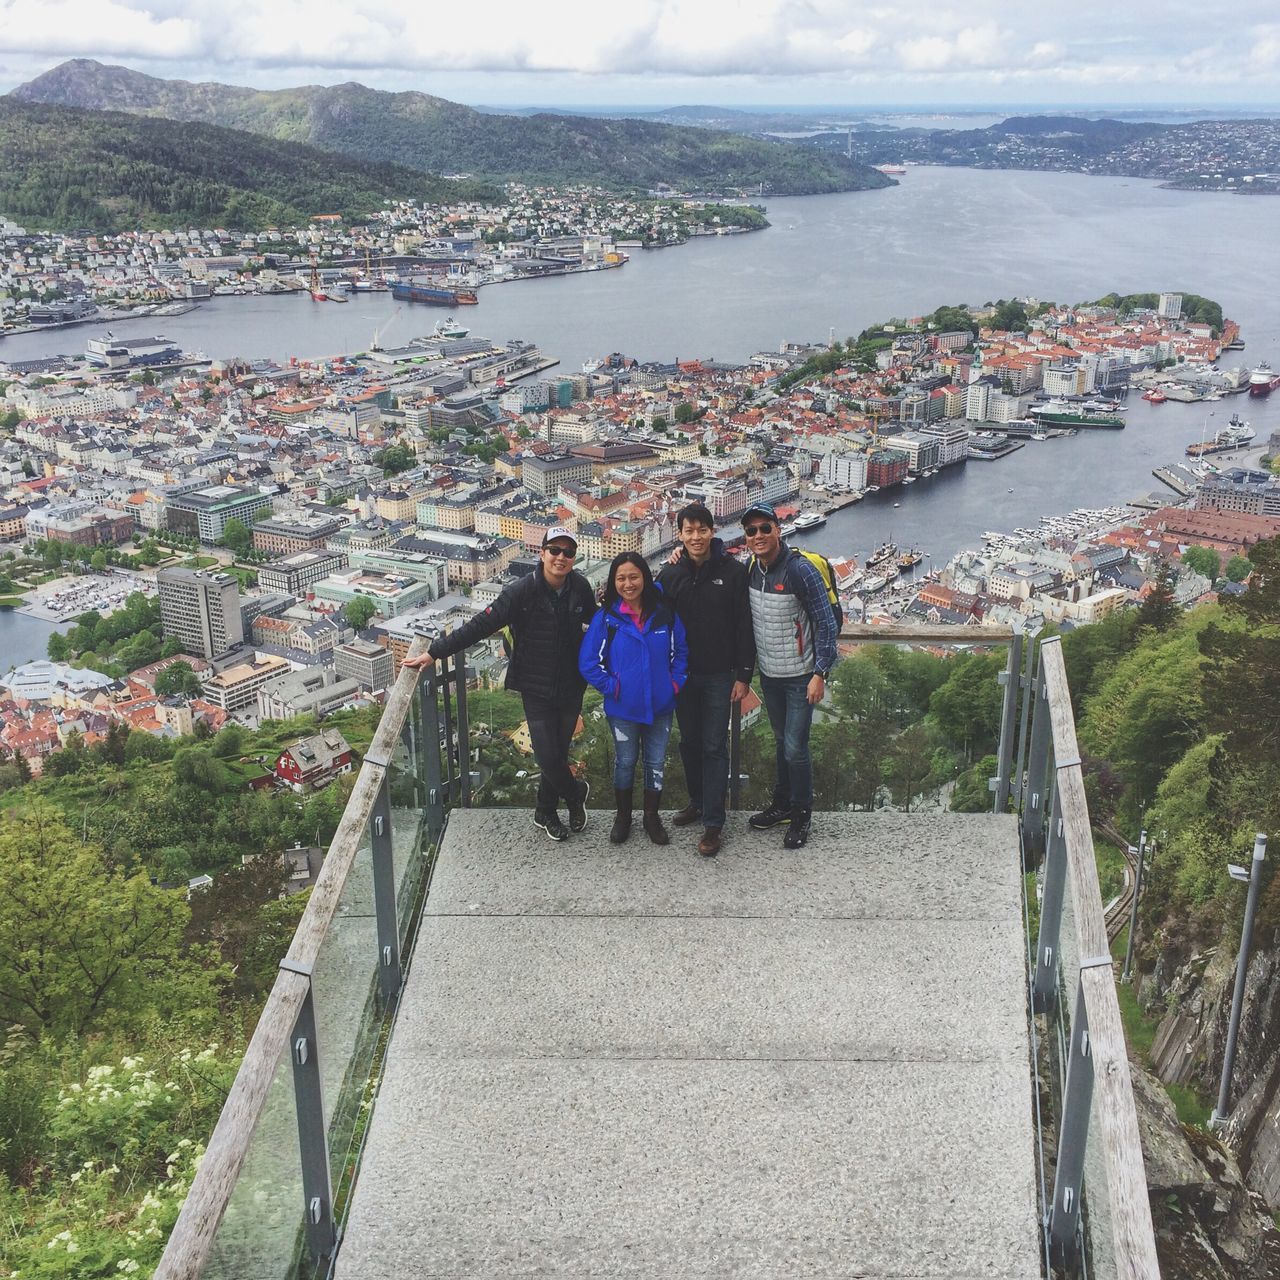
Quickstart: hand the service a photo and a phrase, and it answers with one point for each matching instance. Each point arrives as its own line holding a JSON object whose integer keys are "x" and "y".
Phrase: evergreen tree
{"x": 1160, "y": 610}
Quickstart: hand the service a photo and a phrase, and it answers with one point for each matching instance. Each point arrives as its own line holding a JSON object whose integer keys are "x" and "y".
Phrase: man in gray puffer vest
{"x": 795, "y": 631}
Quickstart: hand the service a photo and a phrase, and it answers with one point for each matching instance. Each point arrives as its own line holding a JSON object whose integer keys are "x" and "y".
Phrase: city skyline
{"x": 796, "y": 52}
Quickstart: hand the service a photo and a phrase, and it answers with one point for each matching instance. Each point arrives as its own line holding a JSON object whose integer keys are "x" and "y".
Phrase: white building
{"x": 848, "y": 469}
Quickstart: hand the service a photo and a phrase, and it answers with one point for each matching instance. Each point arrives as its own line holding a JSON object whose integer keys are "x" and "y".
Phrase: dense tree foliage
{"x": 1194, "y": 307}
{"x": 359, "y": 612}
{"x": 107, "y": 171}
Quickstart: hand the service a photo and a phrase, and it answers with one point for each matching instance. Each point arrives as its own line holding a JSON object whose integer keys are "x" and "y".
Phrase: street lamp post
{"x": 1254, "y": 877}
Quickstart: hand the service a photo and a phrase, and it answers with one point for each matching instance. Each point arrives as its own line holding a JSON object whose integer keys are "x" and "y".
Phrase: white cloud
{"x": 62, "y": 27}
{"x": 768, "y": 50}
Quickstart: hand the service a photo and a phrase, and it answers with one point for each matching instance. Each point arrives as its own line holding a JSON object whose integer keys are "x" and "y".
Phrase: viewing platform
{"x": 632, "y": 1061}
{"x": 894, "y": 1053}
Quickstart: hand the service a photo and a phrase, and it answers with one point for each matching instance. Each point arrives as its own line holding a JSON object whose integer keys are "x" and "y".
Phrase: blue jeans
{"x": 786, "y": 700}
{"x": 702, "y": 708}
{"x": 629, "y": 737}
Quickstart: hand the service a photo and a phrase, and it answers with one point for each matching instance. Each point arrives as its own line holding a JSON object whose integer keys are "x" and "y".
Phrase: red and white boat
{"x": 1263, "y": 380}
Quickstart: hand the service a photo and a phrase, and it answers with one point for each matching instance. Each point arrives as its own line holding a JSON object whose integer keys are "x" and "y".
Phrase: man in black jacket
{"x": 708, "y": 589}
{"x": 547, "y": 612}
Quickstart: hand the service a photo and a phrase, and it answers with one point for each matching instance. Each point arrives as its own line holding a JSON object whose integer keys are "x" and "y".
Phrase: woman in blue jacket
{"x": 634, "y": 652}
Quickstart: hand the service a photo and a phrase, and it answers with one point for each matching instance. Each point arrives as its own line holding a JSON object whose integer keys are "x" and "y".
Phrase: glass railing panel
{"x": 345, "y": 992}
{"x": 408, "y": 798}
{"x": 260, "y": 1234}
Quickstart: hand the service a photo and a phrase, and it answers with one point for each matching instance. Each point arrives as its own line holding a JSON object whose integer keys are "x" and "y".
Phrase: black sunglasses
{"x": 752, "y": 529}
{"x": 567, "y": 552}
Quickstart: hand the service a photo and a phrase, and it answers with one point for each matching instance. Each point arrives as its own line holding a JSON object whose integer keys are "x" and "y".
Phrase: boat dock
{"x": 1181, "y": 479}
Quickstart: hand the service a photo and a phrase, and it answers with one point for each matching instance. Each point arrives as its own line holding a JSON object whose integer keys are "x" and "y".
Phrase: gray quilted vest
{"x": 784, "y": 635}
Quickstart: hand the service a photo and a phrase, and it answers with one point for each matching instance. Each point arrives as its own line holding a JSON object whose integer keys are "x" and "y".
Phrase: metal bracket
{"x": 1096, "y": 962}
{"x": 378, "y": 758}
{"x": 993, "y": 784}
{"x": 1066, "y": 764}
{"x": 295, "y": 966}
{"x": 1002, "y": 678}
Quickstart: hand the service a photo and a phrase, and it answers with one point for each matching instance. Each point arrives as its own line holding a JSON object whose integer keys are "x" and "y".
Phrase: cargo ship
{"x": 885, "y": 551}
{"x": 433, "y": 296}
{"x": 1235, "y": 435}
{"x": 1063, "y": 413}
{"x": 1263, "y": 380}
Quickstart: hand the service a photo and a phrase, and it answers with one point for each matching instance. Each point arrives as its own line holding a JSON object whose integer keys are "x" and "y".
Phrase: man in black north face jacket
{"x": 547, "y": 612}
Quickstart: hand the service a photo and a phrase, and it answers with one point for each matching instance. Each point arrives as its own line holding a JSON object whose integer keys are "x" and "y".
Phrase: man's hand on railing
{"x": 423, "y": 662}
{"x": 739, "y": 691}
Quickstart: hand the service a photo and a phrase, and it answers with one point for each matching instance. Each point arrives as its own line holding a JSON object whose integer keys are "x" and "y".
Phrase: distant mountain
{"x": 438, "y": 136}
{"x": 62, "y": 167}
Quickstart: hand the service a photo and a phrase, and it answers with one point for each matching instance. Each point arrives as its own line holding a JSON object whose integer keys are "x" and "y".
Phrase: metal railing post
{"x": 735, "y": 755}
{"x": 433, "y": 810}
{"x": 1133, "y": 908}
{"x": 1044, "y": 987}
{"x": 384, "y": 892}
{"x": 1073, "y": 1136}
{"x": 1036, "y": 794}
{"x": 1026, "y": 683}
{"x": 1008, "y": 719}
{"x": 448, "y": 674}
{"x": 1219, "y": 1116}
{"x": 464, "y": 729}
{"x": 313, "y": 1139}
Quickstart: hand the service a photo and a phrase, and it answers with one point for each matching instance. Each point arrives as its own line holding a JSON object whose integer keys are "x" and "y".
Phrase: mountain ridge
{"x": 432, "y": 134}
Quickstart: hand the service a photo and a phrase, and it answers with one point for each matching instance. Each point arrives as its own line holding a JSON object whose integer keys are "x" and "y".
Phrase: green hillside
{"x": 438, "y": 136}
{"x": 62, "y": 167}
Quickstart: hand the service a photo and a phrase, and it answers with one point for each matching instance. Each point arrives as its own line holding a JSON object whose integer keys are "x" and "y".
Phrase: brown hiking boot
{"x": 687, "y": 816}
{"x": 709, "y": 845}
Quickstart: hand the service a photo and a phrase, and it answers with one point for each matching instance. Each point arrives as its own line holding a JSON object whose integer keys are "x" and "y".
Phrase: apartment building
{"x": 204, "y": 513}
{"x": 284, "y": 535}
{"x": 201, "y": 610}
{"x": 237, "y": 687}
{"x": 293, "y": 574}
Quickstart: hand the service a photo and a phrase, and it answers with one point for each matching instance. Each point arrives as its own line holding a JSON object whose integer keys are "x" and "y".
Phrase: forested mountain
{"x": 438, "y": 136}
{"x": 61, "y": 167}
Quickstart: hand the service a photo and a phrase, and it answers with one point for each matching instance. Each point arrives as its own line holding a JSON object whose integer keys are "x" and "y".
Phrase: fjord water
{"x": 839, "y": 263}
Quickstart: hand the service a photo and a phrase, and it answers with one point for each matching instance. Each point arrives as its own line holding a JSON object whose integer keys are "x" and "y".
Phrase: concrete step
{"x": 635, "y": 1062}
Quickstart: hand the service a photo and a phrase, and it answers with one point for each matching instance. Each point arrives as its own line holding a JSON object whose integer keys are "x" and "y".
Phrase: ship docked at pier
{"x": 1235, "y": 435}
{"x": 1263, "y": 380}
{"x": 433, "y": 296}
{"x": 1088, "y": 414}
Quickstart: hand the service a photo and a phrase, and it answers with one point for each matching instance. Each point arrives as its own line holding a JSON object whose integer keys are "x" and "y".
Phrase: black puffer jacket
{"x": 546, "y": 631}
{"x": 712, "y": 602}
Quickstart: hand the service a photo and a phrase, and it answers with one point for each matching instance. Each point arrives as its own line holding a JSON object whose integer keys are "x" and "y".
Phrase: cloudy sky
{"x": 1087, "y": 53}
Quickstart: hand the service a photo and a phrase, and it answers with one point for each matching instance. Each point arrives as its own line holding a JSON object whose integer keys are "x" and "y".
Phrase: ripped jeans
{"x": 629, "y": 737}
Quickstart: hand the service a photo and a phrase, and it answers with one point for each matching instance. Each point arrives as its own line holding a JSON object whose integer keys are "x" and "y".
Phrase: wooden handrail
{"x": 191, "y": 1240}
{"x": 1133, "y": 1236}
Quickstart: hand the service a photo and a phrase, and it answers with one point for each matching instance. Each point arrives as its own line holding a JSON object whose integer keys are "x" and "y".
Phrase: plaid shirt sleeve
{"x": 821, "y": 615}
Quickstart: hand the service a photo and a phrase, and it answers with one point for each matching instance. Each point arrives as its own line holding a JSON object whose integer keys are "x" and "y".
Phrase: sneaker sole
{"x": 586, "y": 795}
{"x": 766, "y": 826}
{"x": 551, "y": 835}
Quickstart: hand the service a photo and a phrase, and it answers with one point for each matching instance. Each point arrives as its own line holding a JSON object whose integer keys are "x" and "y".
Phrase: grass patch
{"x": 1190, "y": 1107}
{"x": 12, "y": 602}
{"x": 1139, "y": 1030}
{"x": 1111, "y": 865}
{"x": 199, "y": 562}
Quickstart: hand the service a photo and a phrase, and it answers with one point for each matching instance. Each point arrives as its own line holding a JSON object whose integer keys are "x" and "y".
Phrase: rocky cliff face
{"x": 1209, "y": 1225}
{"x": 1189, "y": 1045}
